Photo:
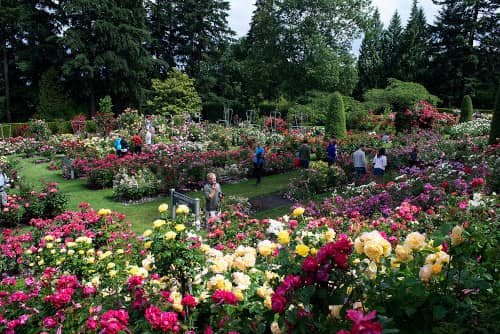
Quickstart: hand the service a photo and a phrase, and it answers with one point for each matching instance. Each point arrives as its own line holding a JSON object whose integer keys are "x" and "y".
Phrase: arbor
{"x": 105, "y": 53}
{"x": 335, "y": 126}
{"x": 370, "y": 61}
{"x": 466, "y": 109}
{"x": 175, "y": 96}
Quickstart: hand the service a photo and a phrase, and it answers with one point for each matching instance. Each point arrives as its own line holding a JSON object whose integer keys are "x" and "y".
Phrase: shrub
{"x": 466, "y": 109}
{"x": 317, "y": 179}
{"x": 495, "y": 123}
{"x": 39, "y": 129}
{"x": 134, "y": 186}
{"x": 176, "y": 95}
{"x": 335, "y": 126}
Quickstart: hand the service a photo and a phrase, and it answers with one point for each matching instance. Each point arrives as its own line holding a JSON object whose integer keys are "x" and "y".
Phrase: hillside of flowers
{"x": 417, "y": 254}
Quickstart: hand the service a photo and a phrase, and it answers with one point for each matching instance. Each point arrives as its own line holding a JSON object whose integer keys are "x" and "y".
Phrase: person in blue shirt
{"x": 118, "y": 145}
{"x": 331, "y": 151}
{"x": 258, "y": 163}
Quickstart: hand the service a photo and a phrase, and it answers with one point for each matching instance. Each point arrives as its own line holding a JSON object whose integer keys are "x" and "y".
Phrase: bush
{"x": 335, "y": 126}
{"x": 466, "y": 109}
{"x": 495, "y": 123}
{"x": 319, "y": 178}
{"x": 135, "y": 186}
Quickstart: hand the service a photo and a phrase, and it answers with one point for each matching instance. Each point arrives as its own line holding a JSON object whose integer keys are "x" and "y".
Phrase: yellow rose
{"x": 283, "y": 237}
{"x": 335, "y": 311}
{"x": 112, "y": 273}
{"x": 158, "y": 223}
{"x": 425, "y": 273}
{"x": 104, "y": 212}
{"x": 275, "y": 328}
{"x": 302, "y": 250}
{"x": 298, "y": 211}
{"x": 163, "y": 208}
{"x": 238, "y": 294}
{"x": 268, "y": 303}
{"x": 182, "y": 209}
{"x": 329, "y": 235}
{"x": 456, "y": 236}
{"x": 180, "y": 227}
{"x": 177, "y": 307}
{"x": 49, "y": 245}
{"x": 265, "y": 250}
{"x": 436, "y": 268}
{"x": 358, "y": 245}
{"x": 170, "y": 235}
{"x": 147, "y": 244}
{"x": 403, "y": 253}
{"x": 261, "y": 292}
{"x": 415, "y": 241}
{"x": 313, "y": 251}
{"x": 395, "y": 263}
{"x": 373, "y": 250}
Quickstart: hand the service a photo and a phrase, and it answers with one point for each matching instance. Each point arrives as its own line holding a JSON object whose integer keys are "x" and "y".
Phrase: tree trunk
{"x": 7, "y": 87}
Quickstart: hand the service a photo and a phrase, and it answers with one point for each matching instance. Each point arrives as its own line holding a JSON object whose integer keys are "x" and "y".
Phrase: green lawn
{"x": 142, "y": 215}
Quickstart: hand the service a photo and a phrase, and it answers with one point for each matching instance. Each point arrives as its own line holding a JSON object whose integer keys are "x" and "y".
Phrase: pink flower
{"x": 49, "y": 322}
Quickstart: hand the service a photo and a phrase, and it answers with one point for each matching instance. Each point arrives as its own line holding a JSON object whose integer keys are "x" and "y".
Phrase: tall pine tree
{"x": 104, "y": 44}
{"x": 414, "y": 50}
{"x": 391, "y": 50}
{"x": 370, "y": 61}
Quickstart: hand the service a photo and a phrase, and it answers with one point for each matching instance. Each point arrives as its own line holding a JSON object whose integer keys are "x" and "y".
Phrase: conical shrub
{"x": 495, "y": 123}
{"x": 335, "y": 126}
{"x": 466, "y": 109}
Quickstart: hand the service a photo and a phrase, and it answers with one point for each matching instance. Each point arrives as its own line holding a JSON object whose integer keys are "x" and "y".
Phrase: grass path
{"x": 142, "y": 215}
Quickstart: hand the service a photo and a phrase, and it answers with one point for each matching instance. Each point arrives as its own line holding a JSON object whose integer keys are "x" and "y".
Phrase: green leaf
{"x": 439, "y": 312}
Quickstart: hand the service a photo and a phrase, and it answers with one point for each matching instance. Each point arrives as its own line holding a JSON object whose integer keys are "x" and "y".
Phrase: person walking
{"x": 379, "y": 163}
{"x": 304, "y": 154}
{"x": 213, "y": 197}
{"x": 331, "y": 152}
{"x": 359, "y": 160}
{"x": 4, "y": 180}
{"x": 258, "y": 163}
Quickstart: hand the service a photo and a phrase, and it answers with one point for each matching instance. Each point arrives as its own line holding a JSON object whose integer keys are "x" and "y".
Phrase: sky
{"x": 241, "y": 11}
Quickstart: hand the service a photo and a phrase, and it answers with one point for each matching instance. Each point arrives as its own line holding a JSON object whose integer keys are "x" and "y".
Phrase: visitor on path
{"x": 359, "y": 160}
{"x": 4, "y": 181}
{"x": 124, "y": 147}
{"x": 331, "y": 152}
{"x": 149, "y": 135}
{"x": 213, "y": 197}
{"x": 118, "y": 145}
{"x": 414, "y": 157}
{"x": 137, "y": 141}
{"x": 258, "y": 163}
{"x": 385, "y": 138}
{"x": 379, "y": 163}
{"x": 304, "y": 154}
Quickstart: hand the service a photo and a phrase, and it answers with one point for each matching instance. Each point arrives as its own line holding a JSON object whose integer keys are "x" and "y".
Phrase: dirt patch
{"x": 267, "y": 202}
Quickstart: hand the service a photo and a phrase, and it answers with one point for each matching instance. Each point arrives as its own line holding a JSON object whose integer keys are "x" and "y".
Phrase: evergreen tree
{"x": 104, "y": 44}
{"x": 495, "y": 122}
{"x": 466, "y": 109}
{"x": 414, "y": 51}
{"x": 335, "y": 126}
{"x": 465, "y": 48}
{"x": 391, "y": 47}
{"x": 307, "y": 44}
{"x": 202, "y": 31}
{"x": 370, "y": 61}
{"x": 53, "y": 103}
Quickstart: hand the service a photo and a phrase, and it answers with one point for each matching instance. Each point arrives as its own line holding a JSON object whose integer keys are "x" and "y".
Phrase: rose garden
{"x": 416, "y": 250}
{"x": 161, "y": 172}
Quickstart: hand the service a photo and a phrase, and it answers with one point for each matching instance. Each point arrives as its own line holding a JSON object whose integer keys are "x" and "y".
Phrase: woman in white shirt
{"x": 379, "y": 163}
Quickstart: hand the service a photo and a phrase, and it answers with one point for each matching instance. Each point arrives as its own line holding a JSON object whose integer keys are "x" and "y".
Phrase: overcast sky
{"x": 241, "y": 13}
